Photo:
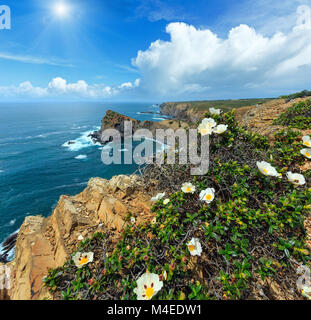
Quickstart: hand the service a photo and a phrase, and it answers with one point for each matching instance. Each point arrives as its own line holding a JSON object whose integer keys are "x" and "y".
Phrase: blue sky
{"x": 154, "y": 50}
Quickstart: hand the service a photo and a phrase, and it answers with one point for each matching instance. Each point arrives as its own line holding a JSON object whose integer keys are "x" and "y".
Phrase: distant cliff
{"x": 181, "y": 111}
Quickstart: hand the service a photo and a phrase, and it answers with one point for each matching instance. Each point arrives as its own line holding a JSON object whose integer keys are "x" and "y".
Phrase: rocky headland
{"x": 114, "y": 120}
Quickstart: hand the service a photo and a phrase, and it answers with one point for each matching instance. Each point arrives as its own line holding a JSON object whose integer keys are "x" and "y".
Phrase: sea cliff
{"x": 181, "y": 111}
{"x": 45, "y": 243}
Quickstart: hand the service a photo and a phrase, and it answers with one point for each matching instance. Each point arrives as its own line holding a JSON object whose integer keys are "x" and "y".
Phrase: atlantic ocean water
{"x": 37, "y": 164}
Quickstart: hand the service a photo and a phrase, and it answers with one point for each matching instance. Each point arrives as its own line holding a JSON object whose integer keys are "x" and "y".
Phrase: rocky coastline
{"x": 45, "y": 243}
{"x": 111, "y": 120}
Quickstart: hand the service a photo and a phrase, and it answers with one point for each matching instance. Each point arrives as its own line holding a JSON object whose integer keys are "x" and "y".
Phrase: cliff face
{"x": 181, "y": 111}
{"x": 260, "y": 118}
{"x": 45, "y": 243}
{"x": 114, "y": 120}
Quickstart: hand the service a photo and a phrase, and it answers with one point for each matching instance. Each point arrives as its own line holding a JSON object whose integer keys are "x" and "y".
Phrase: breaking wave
{"x": 81, "y": 157}
{"x": 84, "y": 141}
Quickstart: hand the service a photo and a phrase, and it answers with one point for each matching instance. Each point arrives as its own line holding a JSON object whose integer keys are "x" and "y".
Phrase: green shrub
{"x": 254, "y": 229}
{"x": 298, "y": 116}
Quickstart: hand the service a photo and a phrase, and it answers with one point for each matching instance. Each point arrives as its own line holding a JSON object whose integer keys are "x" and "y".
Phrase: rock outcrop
{"x": 45, "y": 243}
{"x": 260, "y": 118}
{"x": 114, "y": 120}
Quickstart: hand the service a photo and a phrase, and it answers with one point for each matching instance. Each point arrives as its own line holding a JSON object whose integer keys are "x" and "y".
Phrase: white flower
{"x": 296, "y": 178}
{"x": 214, "y": 111}
{"x": 306, "y": 141}
{"x": 148, "y": 285}
{"x": 164, "y": 275}
{"x": 188, "y": 187}
{"x": 221, "y": 128}
{"x": 81, "y": 259}
{"x": 306, "y": 292}
{"x": 133, "y": 220}
{"x": 207, "y": 195}
{"x": 159, "y": 196}
{"x": 80, "y": 238}
{"x": 266, "y": 169}
{"x": 195, "y": 247}
{"x": 166, "y": 201}
{"x": 306, "y": 153}
{"x": 206, "y": 126}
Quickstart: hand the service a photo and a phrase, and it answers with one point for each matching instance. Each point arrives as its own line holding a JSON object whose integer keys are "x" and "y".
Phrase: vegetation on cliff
{"x": 225, "y": 105}
{"x": 298, "y": 116}
{"x": 301, "y": 94}
{"x": 245, "y": 240}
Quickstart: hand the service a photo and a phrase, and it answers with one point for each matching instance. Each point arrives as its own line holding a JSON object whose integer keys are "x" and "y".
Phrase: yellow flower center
{"x": 149, "y": 292}
{"x": 188, "y": 189}
{"x": 83, "y": 260}
{"x": 208, "y": 197}
{"x": 307, "y": 143}
{"x": 265, "y": 170}
{"x": 203, "y": 131}
{"x": 308, "y": 154}
{"x": 191, "y": 247}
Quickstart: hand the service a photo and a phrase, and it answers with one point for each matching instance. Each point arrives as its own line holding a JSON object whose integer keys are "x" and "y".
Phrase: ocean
{"x": 37, "y": 164}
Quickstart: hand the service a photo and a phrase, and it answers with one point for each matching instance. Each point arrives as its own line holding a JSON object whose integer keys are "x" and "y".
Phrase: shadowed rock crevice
{"x": 8, "y": 245}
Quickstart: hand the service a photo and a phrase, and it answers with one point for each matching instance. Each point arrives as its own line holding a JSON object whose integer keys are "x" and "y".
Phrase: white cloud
{"x": 130, "y": 85}
{"x": 59, "y": 87}
{"x": 126, "y": 85}
{"x": 197, "y": 60}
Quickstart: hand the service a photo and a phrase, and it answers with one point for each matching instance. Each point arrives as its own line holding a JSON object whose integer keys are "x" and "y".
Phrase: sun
{"x": 61, "y": 9}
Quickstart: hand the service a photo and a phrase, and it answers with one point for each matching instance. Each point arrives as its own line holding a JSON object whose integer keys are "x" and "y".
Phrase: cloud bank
{"x": 60, "y": 88}
{"x": 197, "y": 60}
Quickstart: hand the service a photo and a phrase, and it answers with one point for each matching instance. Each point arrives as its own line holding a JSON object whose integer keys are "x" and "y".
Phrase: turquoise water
{"x": 36, "y": 166}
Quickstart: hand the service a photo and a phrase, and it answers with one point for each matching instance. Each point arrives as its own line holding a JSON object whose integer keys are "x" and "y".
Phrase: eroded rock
{"x": 44, "y": 243}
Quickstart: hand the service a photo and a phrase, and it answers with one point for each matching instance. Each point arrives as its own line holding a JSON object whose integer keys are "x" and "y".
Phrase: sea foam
{"x": 81, "y": 157}
{"x": 84, "y": 141}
